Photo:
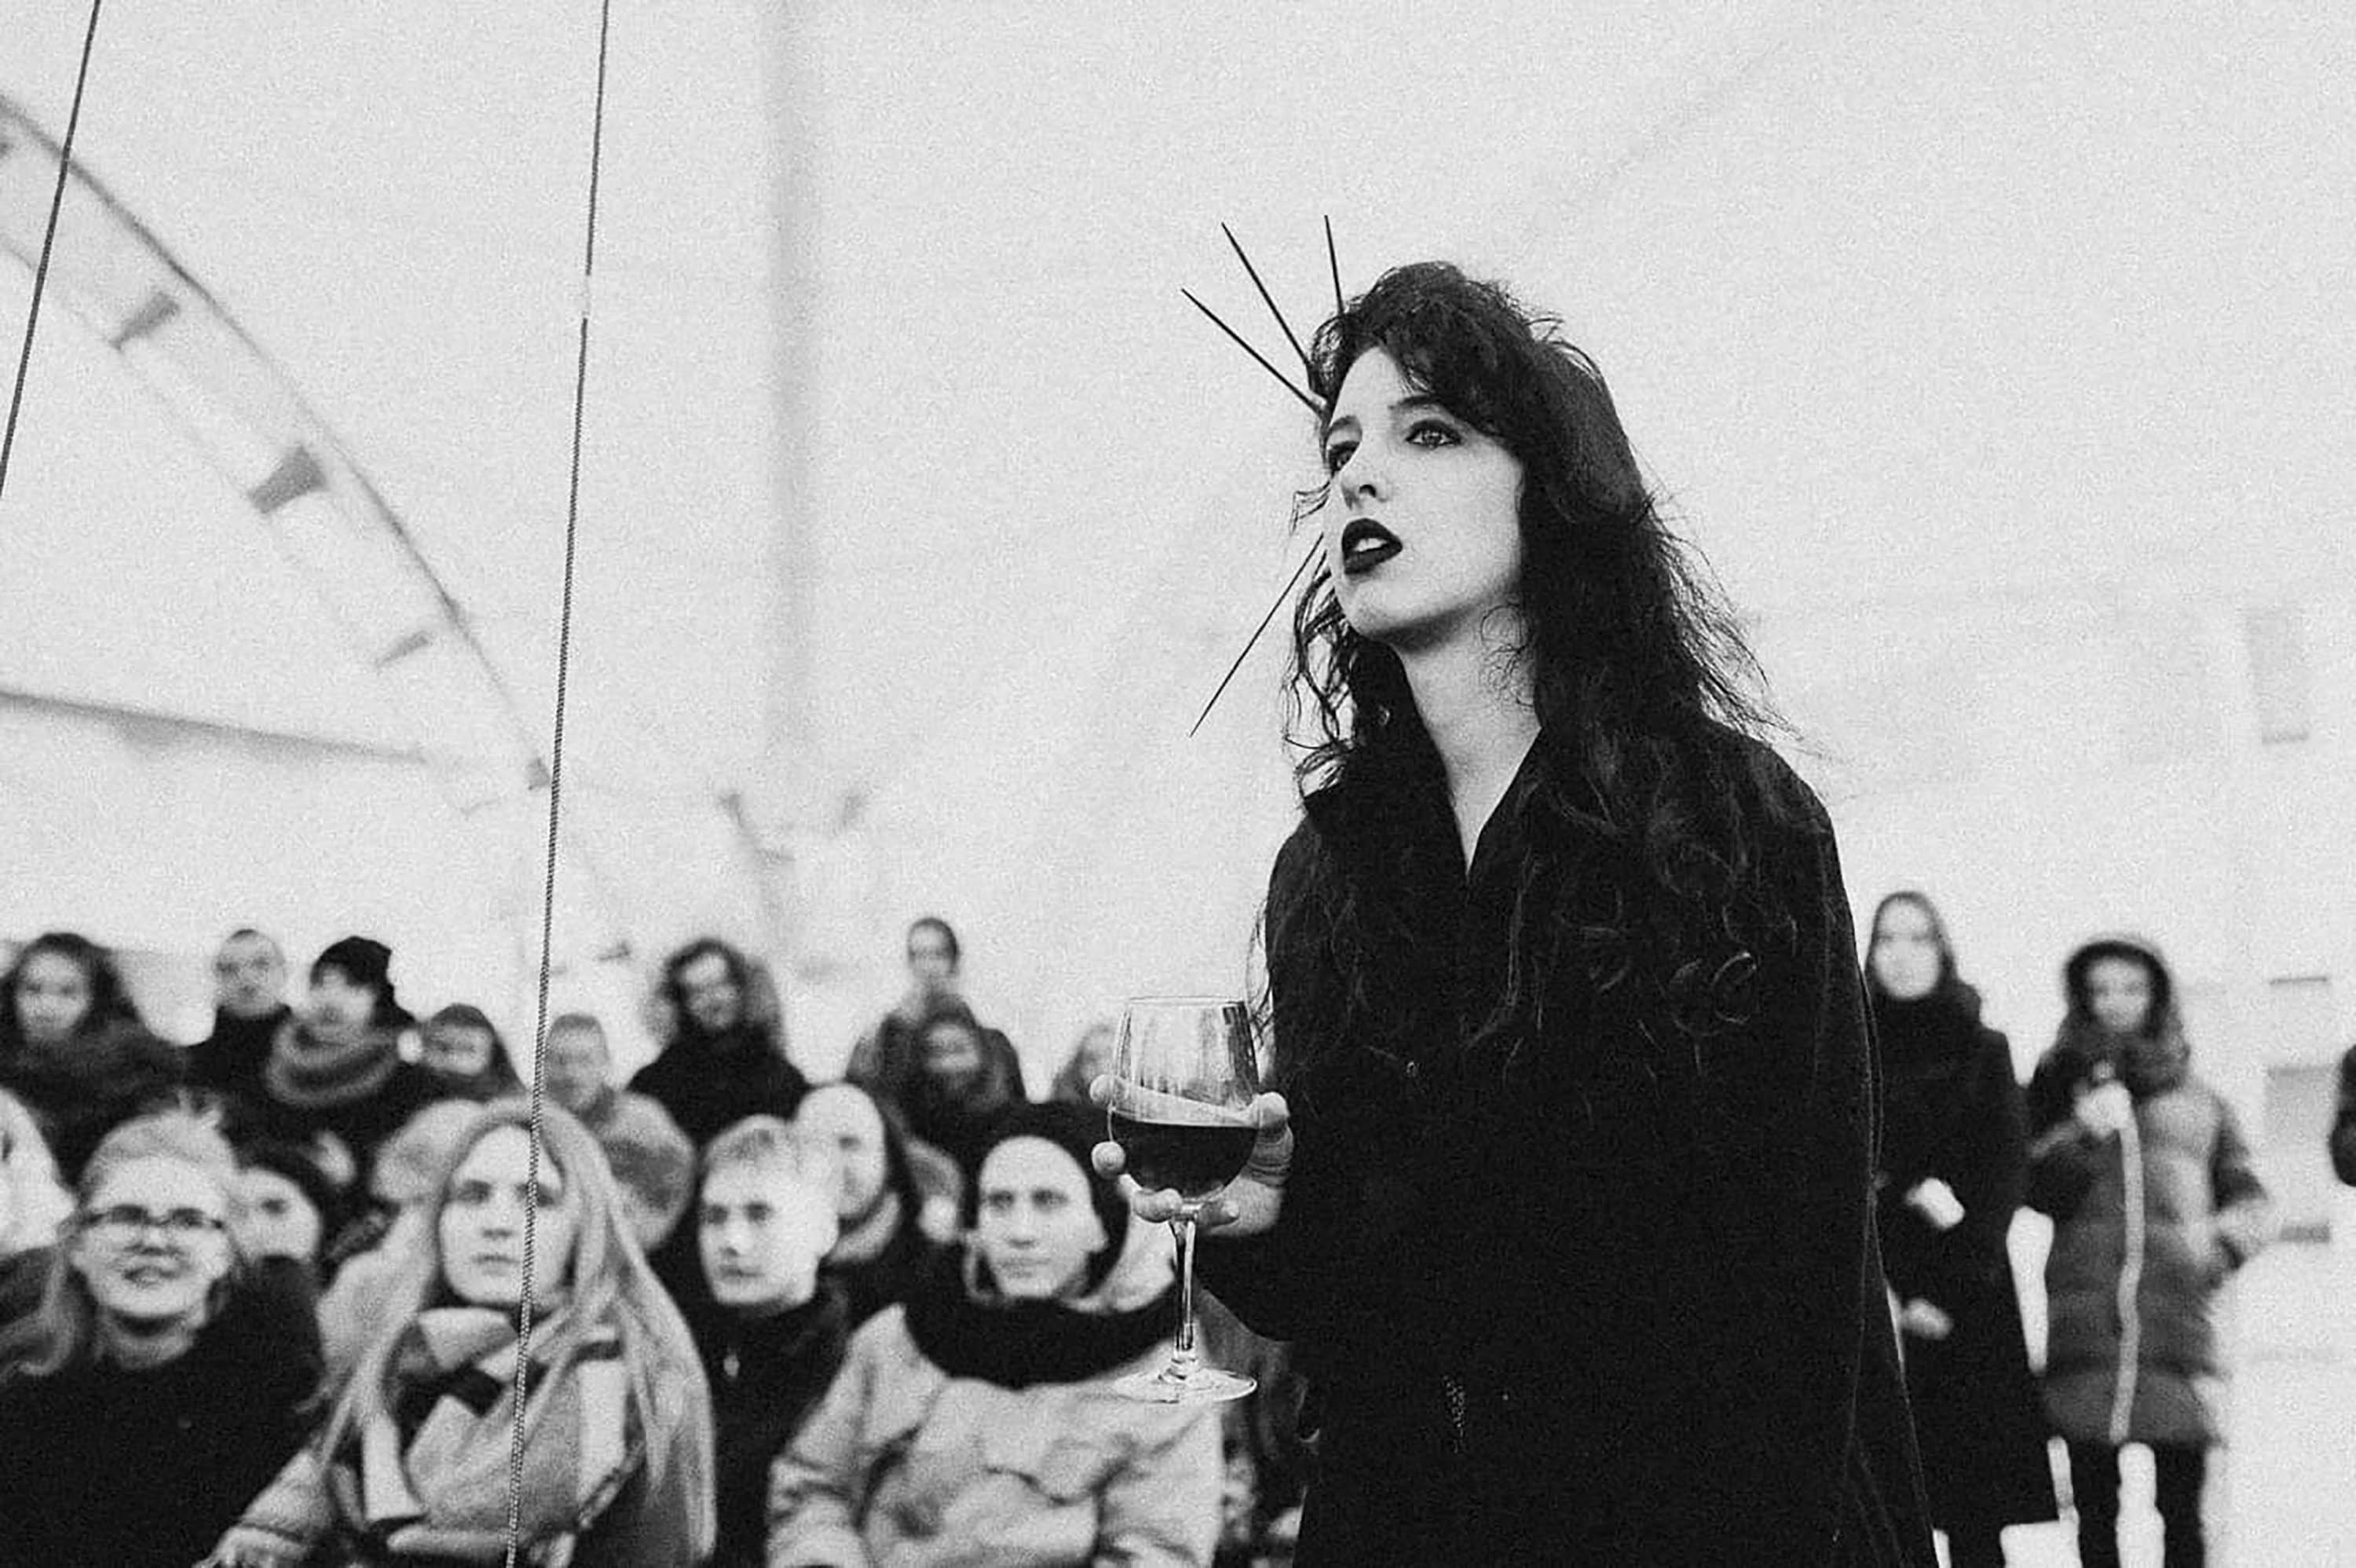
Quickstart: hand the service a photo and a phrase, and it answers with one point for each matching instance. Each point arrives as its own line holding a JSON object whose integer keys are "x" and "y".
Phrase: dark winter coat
{"x": 710, "y": 1083}
{"x": 105, "y": 1467}
{"x": 765, "y": 1377}
{"x": 2155, "y": 1376}
{"x": 79, "y": 1089}
{"x": 1954, "y": 1113}
{"x": 229, "y": 1060}
{"x": 2343, "y": 1122}
{"x": 1620, "y": 1303}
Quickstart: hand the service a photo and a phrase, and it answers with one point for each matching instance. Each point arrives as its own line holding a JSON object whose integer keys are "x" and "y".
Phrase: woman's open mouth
{"x": 1365, "y": 545}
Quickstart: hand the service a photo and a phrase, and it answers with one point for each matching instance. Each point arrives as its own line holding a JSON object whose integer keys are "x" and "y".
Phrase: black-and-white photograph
{"x": 891, "y": 783}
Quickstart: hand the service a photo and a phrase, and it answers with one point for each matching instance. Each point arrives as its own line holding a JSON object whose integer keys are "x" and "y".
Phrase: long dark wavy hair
{"x": 1648, "y": 697}
{"x": 110, "y": 1000}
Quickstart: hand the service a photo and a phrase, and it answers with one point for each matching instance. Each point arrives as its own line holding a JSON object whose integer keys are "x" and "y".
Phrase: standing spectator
{"x": 890, "y": 1058}
{"x": 774, "y": 1338}
{"x": 412, "y": 1464}
{"x": 883, "y": 1248}
{"x": 249, "y": 1009}
{"x": 978, "y": 1422}
{"x": 335, "y": 1082}
{"x": 1953, "y": 1156}
{"x": 33, "y": 1204}
{"x": 651, "y": 1158}
{"x": 1091, "y": 1057}
{"x": 726, "y": 1058}
{"x": 464, "y": 1052}
{"x": 72, "y": 1047}
{"x": 162, "y": 1382}
{"x": 2343, "y": 1122}
{"x": 2154, "y": 1203}
{"x": 961, "y": 1085}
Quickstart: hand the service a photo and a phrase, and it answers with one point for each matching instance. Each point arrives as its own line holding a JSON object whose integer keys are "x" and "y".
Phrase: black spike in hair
{"x": 1253, "y": 641}
{"x": 1270, "y": 300}
{"x": 1283, "y": 380}
{"x": 1341, "y": 306}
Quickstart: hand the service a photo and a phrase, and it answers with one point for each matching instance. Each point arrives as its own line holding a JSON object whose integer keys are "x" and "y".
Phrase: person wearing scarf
{"x": 413, "y": 1464}
{"x": 249, "y": 1009}
{"x": 1954, "y": 1150}
{"x": 2156, "y": 1202}
{"x": 977, "y": 1423}
{"x": 335, "y": 1080}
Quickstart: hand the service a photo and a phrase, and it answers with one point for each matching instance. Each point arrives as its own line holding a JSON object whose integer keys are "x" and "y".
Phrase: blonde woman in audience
{"x": 164, "y": 1377}
{"x": 412, "y": 1466}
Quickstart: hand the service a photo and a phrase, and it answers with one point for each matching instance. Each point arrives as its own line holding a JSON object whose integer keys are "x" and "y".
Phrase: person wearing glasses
{"x": 161, "y": 1381}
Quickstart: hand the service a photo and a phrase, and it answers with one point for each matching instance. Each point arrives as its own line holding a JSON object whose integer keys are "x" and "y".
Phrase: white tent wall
{"x": 2026, "y": 325}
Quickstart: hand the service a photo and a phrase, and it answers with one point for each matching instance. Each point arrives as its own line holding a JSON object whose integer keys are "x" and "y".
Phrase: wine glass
{"x": 1184, "y": 1077}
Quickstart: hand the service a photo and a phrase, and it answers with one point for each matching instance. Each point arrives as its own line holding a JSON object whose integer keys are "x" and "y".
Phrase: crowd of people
{"x": 259, "y": 1294}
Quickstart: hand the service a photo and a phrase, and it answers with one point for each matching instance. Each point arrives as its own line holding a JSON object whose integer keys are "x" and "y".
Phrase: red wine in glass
{"x": 1184, "y": 1074}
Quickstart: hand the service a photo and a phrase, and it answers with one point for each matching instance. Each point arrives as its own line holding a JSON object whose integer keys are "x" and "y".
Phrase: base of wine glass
{"x": 1171, "y": 1385}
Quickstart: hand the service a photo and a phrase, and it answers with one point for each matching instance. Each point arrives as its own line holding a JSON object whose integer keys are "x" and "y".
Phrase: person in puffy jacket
{"x": 977, "y": 1423}
{"x": 2154, "y": 1203}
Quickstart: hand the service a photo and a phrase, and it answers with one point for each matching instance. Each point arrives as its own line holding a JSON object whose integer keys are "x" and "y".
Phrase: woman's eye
{"x": 1432, "y": 432}
{"x": 1337, "y": 454}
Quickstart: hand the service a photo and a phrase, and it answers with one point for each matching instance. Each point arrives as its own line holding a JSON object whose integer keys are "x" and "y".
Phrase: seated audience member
{"x": 651, "y": 1158}
{"x": 775, "y": 1331}
{"x": 884, "y": 1249}
{"x": 464, "y": 1052}
{"x": 33, "y": 1204}
{"x": 72, "y": 1047}
{"x": 363, "y": 1257}
{"x": 726, "y": 1059}
{"x": 249, "y": 1009}
{"x": 286, "y": 1207}
{"x": 889, "y": 1058}
{"x": 978, "y": 1422}
{"x": 961, "y": 1087}
{"x": 1091, "y": 1057}
{"x": 335, "y": 1081}
{"x": 412, "y": 1464}
{"x": 162, "y": 1380}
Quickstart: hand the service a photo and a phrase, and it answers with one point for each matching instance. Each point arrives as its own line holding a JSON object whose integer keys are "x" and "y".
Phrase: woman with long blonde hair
{"x": 413, "y": 1463}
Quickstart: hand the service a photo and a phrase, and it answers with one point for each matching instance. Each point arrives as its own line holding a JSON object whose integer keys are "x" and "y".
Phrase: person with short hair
{"x": 651, "y": 1158}
{"x": 73, "y": 1049}
{"x": 977, "y": 1423}
{"x": 412, "y": 1464}
{"x": 249, "y": 1009}
{"x": 774, "y": 1336}
{"x": 884, "y": 1246}
{"x": 164, "y": 1378}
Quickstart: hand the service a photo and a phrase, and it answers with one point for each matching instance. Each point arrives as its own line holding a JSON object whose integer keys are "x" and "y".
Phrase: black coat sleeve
{"x": 2343, "y": 1122}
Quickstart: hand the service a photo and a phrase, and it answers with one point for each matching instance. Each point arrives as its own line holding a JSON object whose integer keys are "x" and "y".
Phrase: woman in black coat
{"x": 1954, "y": 1157}
{"x": 1572, "y": 1222}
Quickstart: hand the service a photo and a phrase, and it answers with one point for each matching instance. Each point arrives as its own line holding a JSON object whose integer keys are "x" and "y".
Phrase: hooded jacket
{"x": 2148, "y": 1223}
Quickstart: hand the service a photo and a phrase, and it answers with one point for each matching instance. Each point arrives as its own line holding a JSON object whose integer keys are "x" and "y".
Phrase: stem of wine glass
{"x": 1183, "y": 1357}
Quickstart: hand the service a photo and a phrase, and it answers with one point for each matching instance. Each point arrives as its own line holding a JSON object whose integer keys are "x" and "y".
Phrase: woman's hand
{"x": 2105, "y": 1108}
{"x": 1937, "y": 1202}
{"x": 1921, "y": 1320}
{"x": 1248, "y": 1205}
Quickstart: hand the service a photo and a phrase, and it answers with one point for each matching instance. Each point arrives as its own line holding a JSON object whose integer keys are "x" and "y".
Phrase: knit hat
{"x": 364, "y": 961}
{"x": 651, "y": 1158}
{"x": 1076, "y": 1130}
